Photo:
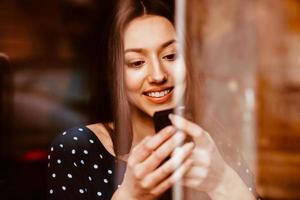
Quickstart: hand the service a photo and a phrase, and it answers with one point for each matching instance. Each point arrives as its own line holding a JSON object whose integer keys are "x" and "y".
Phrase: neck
{"x": 142, "y": 126}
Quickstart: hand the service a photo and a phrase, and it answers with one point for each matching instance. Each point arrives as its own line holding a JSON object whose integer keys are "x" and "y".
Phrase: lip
{"x": 159, "y": 100}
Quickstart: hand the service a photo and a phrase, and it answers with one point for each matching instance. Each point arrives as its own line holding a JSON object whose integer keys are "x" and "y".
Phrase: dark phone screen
{"x": 161, "y": 119}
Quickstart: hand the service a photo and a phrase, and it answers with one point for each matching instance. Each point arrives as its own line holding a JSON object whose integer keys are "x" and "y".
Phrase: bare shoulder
{"x": 103, "y": 135}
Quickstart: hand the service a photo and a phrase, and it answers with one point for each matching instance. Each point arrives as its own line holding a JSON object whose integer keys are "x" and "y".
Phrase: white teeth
{"x": 158, "y": 94}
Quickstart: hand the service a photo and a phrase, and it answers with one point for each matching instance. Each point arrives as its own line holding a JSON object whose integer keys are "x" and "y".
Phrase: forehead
{"x": 148, "y": 31}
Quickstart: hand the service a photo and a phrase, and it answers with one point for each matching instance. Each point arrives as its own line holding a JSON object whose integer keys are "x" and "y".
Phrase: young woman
{"x": 126, "y": 159}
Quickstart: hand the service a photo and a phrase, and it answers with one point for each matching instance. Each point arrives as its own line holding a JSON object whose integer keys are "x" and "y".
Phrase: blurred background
{"x": 53, "y": 77}
{"x": 50, "y": 54}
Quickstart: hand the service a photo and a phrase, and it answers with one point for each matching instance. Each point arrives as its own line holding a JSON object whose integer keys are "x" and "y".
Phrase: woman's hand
{"x": 148, "y": 173}
{"x": 209, "y": 172}
{"x": 208, "y": 166}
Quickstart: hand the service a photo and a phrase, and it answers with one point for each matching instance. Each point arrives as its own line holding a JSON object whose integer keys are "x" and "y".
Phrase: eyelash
{"x": 173, "y": 57}
{"x": 136, "y": 64}
{"x": 139, "y": 63}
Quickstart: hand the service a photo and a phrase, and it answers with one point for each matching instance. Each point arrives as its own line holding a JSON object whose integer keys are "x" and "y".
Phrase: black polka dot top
{"x": 80, "y": 167}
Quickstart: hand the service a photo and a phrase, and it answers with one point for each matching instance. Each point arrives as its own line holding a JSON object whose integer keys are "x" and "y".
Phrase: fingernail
{"x": 190, "y": 145}
{"x": 180, "y": 136}
{"x": 170, "y": 129}
{"x": 171, "y": 116}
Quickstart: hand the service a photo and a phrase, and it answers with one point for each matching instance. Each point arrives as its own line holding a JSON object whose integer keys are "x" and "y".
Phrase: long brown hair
{"x": 126, "y": 11}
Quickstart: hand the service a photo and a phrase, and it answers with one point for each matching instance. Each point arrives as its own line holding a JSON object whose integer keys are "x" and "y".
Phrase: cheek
{"x": 178, "y": 72}
{"x": 134, "y": 80}
{"x": 179, "y": 75}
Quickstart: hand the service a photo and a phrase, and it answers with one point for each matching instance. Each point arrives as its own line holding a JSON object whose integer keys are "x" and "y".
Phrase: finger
{"x": 142, "y": 151}
{"x": 176, "y": 176}
{"x": 196, "y": 172}
{"x": 169, "y": 166}
{"x": 161, "y": 153}
{"x": 131, "y": 158}
{"x": 161, "y": 136}
{"x": 192, "y": 182}
{"x": 190, "y": 128}
{"x": 201, "y": 157}
{"x": 139, "y": 145}
{"x": 200, "y": 136}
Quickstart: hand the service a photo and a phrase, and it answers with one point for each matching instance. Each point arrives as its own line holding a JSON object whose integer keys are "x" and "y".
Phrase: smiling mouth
{"x": 159, "y": 96}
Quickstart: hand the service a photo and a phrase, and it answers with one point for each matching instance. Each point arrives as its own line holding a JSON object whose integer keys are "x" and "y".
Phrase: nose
{"x": 157, "y": 74}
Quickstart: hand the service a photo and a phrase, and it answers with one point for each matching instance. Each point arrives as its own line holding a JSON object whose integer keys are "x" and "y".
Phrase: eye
{"x": 170, "y": 57}
{"x": 136, "y": 64}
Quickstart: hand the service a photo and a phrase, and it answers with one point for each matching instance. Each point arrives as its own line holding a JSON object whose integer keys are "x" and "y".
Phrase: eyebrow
{"x": 139, "y": 50}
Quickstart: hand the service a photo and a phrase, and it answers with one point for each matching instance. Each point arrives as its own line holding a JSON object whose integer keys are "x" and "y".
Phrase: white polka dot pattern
{"x": 95, "y": 166}
{"x": 81, "y": 191}
{"x": 69, "y": 161}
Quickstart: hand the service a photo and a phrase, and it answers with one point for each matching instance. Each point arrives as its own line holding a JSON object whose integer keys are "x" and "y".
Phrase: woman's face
{"x": 153, "y": 64}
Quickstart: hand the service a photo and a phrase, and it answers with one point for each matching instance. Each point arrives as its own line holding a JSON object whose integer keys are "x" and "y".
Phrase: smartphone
{"x": 161, "y": 119}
